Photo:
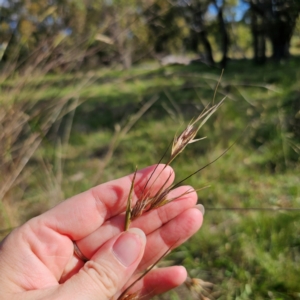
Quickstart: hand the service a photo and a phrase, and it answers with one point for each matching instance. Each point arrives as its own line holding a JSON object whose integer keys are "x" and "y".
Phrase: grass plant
{"x": 147, "y": 203}
{"x": 78, "y": 130}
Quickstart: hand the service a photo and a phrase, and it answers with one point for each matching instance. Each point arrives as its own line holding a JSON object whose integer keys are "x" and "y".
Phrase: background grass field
{"x": 80, "y": 130}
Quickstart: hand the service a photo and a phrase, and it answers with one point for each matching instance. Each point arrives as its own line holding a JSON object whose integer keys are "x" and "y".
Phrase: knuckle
{"x": 102, "y": 277}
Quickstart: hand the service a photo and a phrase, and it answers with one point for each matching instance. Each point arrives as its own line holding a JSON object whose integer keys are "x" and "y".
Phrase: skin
{"x": 37, "y": 259}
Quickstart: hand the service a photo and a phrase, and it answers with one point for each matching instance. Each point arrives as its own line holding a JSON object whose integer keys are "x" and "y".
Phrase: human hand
{"x": 37, "y": 260}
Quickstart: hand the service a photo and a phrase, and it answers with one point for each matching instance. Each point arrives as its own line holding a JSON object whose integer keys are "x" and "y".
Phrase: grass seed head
{"x": 159, "y": 199}
{"x": 203, "y": 289}
{"x": 185, "y": 138}
{"x": 139, "y": 208}
{"x": 189, "y": 133}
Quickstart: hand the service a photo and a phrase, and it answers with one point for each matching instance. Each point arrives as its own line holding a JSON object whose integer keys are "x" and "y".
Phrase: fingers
{"x": 172, "y": 234}
{"x": 162, "y": 280}
{"x": 80, "y": 215}
{"x": 148, "y": 222}
{"x": 108, "y": 270}
{"x": 158, "y": 281}
{"x": 156, "y": 218}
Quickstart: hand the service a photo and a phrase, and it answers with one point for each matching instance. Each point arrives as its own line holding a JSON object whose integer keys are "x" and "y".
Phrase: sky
{"x": 239, "y": 10}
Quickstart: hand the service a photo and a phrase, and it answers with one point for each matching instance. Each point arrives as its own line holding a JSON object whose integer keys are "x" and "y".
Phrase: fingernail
{"x": 128, "y": 246}
{"x": 201, "y": 208}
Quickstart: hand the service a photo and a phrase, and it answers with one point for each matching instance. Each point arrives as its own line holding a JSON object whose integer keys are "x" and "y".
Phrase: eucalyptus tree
{"x": 275, "y": 20}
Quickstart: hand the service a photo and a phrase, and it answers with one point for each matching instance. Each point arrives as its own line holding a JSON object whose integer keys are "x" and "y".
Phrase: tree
{"x": 198, "y": 10}
{"x": 275, "y": 19}
{"x": 223, "y": 31}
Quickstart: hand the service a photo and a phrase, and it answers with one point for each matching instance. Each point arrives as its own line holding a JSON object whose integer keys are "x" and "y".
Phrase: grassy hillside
{"x": 77, "y": 130}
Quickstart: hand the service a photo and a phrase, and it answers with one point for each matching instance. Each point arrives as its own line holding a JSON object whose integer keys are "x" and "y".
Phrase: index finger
{"x": 82, "y": 214}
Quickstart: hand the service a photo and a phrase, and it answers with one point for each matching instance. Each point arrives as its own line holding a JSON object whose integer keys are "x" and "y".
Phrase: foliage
{"x": 275, "y": 20}
{"x": 66, "y": 125}
{"x": 95, "y": 133}
{"x": 102, "y": 32}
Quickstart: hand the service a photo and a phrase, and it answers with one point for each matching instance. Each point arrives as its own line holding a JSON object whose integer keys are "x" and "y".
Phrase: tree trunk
{"x": 197, "y": 12}
{"x": 224, "y": 37}
{"x": 208, "y": 50}
{"x": 258, "y": 35}
{"x": 276, "y": 20}
{"x": 280, "y": 36}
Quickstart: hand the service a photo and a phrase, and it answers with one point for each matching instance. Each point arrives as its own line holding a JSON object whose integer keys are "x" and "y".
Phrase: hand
{"x": 37, "y": 260}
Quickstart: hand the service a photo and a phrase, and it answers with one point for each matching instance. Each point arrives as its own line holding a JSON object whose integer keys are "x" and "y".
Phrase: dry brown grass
{"x": 146, "y": 202}
{"x": 25, "y": 120}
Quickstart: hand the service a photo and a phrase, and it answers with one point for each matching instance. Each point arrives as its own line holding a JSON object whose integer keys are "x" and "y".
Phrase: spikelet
{"x": 188, "y": 135}
{"x": 202, "y": 289}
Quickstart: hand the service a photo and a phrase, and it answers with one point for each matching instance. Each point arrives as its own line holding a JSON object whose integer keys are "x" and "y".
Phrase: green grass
{"x": 247, "y": 254}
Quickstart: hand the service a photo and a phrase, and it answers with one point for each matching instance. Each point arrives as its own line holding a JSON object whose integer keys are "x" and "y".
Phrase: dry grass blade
{"x": 129, "y": 201}
{"x": 25, "y": 121}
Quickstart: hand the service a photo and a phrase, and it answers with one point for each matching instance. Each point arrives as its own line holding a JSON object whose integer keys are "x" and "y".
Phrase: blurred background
{"x": 90, "y": 89}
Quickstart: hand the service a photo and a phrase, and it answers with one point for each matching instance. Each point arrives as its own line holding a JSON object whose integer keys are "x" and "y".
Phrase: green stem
{"x": 129, "y": 202}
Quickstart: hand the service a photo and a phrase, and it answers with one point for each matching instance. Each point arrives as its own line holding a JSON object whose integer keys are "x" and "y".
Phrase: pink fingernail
{"x": 128, "y": 246}
{"x": 201, "y": 208}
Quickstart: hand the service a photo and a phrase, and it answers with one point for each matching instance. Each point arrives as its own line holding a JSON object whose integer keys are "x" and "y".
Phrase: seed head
{"x": 185, "y": 138}
{"x": 189, "y": 133}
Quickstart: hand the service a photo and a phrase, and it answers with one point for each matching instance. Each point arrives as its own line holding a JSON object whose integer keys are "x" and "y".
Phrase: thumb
{"x": 109, "y": 269}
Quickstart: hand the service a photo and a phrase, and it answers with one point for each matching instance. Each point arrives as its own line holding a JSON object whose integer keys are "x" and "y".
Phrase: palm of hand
{"x": 37, "y": 259}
